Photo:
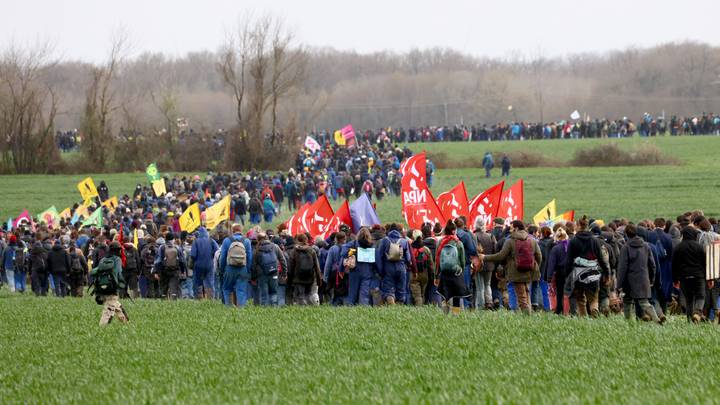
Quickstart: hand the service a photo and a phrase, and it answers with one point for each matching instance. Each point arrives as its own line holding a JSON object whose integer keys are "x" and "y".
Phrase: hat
{"x": 12, "y": 239}
{"x": 499, "y": 221}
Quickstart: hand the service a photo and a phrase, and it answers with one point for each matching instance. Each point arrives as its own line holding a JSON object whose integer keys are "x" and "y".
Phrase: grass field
{"x": 189, "y": 352}
{"x": 607, "y": 193}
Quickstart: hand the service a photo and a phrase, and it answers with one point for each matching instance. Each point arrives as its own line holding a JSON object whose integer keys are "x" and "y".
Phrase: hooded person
{"x": 522, "y": 257}
{"x": 170, "y": 265}
{"x": 202, "y": 253}
{"x": 636, "y": 272}
{"x": 422, "y": 270}
{"x": 392, "y": 261}
{"x": 269, "y": 259}
{"x": 359, "y": 265}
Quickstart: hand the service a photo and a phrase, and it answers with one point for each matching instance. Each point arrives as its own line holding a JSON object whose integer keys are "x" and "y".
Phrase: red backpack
{"x": 524, "y": 255}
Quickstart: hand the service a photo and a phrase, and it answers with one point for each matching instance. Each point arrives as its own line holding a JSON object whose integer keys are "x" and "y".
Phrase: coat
{"x": 636, "y": 269}
{"x": 688, "y": 257}
{"x": 58, "y": 260}
{"x": 486, "y": 244}
{"x": 507, "y": 254}
{"x": 203, "y": 250}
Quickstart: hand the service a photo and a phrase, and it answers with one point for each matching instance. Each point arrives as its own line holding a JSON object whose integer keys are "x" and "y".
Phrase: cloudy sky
{"x": 81, "y": 29}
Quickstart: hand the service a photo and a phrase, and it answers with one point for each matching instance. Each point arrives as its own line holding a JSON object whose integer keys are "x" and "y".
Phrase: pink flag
{"x": 312, "y": 144}
{"x": 349, "y": 134}
{"x": 23, "y": 217}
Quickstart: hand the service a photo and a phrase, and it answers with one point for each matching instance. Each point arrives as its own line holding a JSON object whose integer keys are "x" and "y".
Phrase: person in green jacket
{"x": 108, "y": 281}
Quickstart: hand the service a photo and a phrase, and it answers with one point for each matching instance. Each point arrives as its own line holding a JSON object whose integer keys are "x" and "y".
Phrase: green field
{"x": 189, "y": 352}
{"x": 633, "y": 192}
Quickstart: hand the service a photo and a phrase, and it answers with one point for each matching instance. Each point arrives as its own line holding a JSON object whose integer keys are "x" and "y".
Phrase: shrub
{"x": 610, "y": 154}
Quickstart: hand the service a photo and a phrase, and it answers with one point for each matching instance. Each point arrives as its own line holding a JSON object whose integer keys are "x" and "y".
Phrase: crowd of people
{"x": 585, "y": 268}
{"x": 647, "y": 125}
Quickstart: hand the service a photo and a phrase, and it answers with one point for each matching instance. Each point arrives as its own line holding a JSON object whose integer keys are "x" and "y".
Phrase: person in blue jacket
{"x": 235, "y": 278}
{"x": 393, "y": 269}
{"x": 365, "y": 271}
{"x": 202, "y": 253}
{"x": 333, "y": 265}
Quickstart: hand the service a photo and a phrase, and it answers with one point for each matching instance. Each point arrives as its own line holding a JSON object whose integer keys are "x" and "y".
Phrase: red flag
{"x": 568, "y": 215}
{"x": 454, "y": 203}
{"x": 419, "y": 206}
{"x": 511, "y": 203}
{"x": 122, "y": 246}
{"x": 341, "y": 216}
{"x": 295, "y": 223}
{"x": 318, "y": 216}
{"x": 412, "y": 170}
{"x": 23, "y": 217}
{"x": 486, "y": 205}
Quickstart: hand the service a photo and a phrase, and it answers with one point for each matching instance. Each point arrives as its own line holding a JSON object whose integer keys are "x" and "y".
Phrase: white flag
{"x": 312, "y": 144}
{"x": 575, "y": 115}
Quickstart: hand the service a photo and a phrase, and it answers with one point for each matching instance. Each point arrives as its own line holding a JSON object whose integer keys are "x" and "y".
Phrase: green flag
{"x": 152, "y": 173}
{"x": 95, "y": 219}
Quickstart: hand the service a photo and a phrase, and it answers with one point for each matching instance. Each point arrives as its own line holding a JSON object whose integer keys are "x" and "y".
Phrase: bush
{"x": 610, "y": 154}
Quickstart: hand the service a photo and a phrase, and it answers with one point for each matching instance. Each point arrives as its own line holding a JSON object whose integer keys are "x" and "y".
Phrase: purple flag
{"x": 363, "y": 213}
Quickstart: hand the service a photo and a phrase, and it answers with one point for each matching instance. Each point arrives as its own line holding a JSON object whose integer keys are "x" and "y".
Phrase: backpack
{"x": 422, "y": 259}
{"x": 76, "y": 268}
{"x": 19, "y": 258}
{"x": 236, "y": 255}
{"x": 172, "y": 260}
{"x": 586, "y": 270}
{"x": 148, "y": 258}
{"x": 267, "y": 260}
{"x": 524, "y": 255}
{"x": 449, "y": 257}
{"x": 395, "y": 251}
{"x": 304, "y": 266}
{"x": 37, "y": 264}
{"x": 130, "y": 260}
{"x": 104, "y": 281}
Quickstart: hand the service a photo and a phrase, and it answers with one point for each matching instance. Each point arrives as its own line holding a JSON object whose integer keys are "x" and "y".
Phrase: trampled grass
{"x": 607, "y": 193}
{"x": 52, "y": 351}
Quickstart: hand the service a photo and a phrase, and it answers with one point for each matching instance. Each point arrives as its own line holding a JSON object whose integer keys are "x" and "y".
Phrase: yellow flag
{"x": 217, "y": 213}
{"x": 339, "y": 139}
{"x": 546, "y": 214}
{"x": 82, "y": 210}
{"x": 159, "y": 187}
{"x": 190, "y": 219}
{"x": 111, "y": 203}
{"x": 87, "y": 189}
{"x": 135, "y": 238}
{"x": 66, "y": 213}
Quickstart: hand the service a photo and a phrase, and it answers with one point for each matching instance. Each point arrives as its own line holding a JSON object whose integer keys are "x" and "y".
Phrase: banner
{"x": 348, "y": 134}
{"x": 217, "y": 213}
{"x": 50, "y": 216}
{"x": 95, "y": 219}
{"x": 567, "y": 216}
{"x": 546, "y": 214}
{"x": 190, "y": 219}
{"x": 152, "y": 173}
{"x": 111, "y": 203}
{"x": 295, "y": 223}
{"x": 159, "y": 187}
{"x": 318, "y": 216}
{"x": 511, "y": 203}
{"x": 87, "y": 189}
{"x": 341, "y": 216}
{"x": 454, "y": 203}
{"x": 418, "y": 204}
{"x": 339, "y": 139}
{"x": 312, "y": 144}
{"x": 486, "y": 205}
{"x": 362, "y": 213}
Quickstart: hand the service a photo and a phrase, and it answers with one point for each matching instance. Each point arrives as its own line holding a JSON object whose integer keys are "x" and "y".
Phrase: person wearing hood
{"x": 304, "y": 275}
{"x": 112, "y": 308}
{"x": 657, "y": 299}
{"x": 635, "y": 275}
{"x": 58, "y": 262}
{"x": 688, "y": 268}
{"x": 255, "y": 208}
{"x": 202, "y": 253}
{"x": 586, "y": 265}
{"x": 392, "y": 260}
{"x": 517, "y": 269}
{"x": 555, "y": 268}
{"x": 13, "y": 262}
{"x": 269, "y": 259}
{"x": 449, "y": 263}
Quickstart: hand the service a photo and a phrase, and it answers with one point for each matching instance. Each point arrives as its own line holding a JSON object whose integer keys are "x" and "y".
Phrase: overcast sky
{"x": 81, "y": 29}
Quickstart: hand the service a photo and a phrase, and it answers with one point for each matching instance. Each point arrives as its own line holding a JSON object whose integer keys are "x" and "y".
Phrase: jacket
{"x": 507, "y": 255}
{"x": 486, "y": 244}
{"x": 224, "y": 252}
{"x": 279, "y": 256}
{"x": 636, "y": 269}
{"x": 688, "y": 257}
{"x": 556, "y": 261}
{"x": 381, "y": 261}
{"x": 160, "y": 259}
{"x": 58, "y": 260}
{"x": 293, "y": 262}
{"x": 117, "y": 272}
{"x": 585, "y": 245}
{"x": 203, "y": 250}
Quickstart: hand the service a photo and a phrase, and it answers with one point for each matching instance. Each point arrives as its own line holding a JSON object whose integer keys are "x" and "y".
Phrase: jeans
{"x": 255, "y": 218}
{"x": 281, "y": 291}
{"x": 268, "y": 286}
{"x": 10, "y": 274}
{"x": 487, "y": 172}
{"x": 644, "y": 303}
{"x": 20, "y": 281}
{"x": 186, "y": 288}
{"x": 536, "y": 298}
{"x": 203, "y": 282}
{"x": 235, "y": 279}
{"x": 60, "y": 290}
{"x": 694, "y": 291}
{"x": 483, "y": 291}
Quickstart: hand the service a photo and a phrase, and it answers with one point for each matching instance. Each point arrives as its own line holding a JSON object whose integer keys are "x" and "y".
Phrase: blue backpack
{"x": 267, "y": 260}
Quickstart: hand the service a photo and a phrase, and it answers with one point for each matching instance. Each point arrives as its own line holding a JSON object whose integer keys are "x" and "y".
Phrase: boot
{"x": 390, "y": 300}
{"x": 456, "y": 311}
{"x": 445, "y": 307}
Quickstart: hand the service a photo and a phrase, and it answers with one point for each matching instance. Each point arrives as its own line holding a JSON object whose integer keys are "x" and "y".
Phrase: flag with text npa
{"x": 217, "y": 213}
{"x": 362, "y": 213}
{"x": 511, "y": 203}
{"x": 87, "y": 189}
{"x": 418, "y": 204}
{"x": 486, "y": 205}
{"x": 454, "y": 203}
{"x": 341, "y": 216}
{"x": 190, "y": 219}
{"x": 546, "y": 215}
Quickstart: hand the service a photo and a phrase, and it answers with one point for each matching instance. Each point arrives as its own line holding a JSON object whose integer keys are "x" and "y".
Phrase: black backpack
{"x": 77, "y": 271}
{"x": 148, "y": 258}
{"x": 131, "y": 259}
{"x": 305, "y": 266}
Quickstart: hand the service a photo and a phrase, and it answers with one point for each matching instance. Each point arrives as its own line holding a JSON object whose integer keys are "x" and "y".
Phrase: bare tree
{"x": 28, "y": 106}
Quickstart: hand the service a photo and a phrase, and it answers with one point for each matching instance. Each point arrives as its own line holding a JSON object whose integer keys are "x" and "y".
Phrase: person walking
{"x": 586, "y": 264}
{"x": 236, "y": 258}
{"x": 635, "y": 274}
{"x": 202, "y": 253}
{"x": 58, "y": 263}
{"x": 107, "y": 282}
{"x": 688, "y": 270}
{"x": 393, "y": 259}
